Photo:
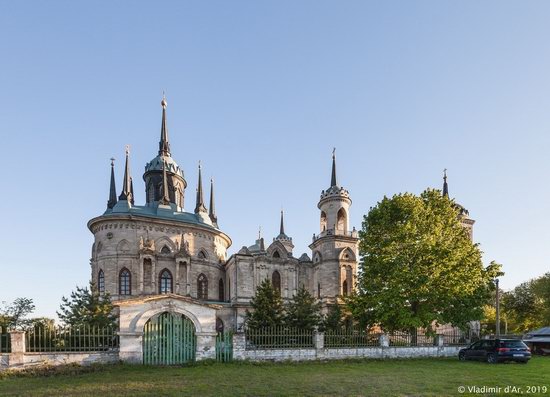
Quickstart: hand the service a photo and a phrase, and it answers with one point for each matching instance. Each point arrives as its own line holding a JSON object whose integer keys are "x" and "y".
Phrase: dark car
{"x": 496, "y": 350}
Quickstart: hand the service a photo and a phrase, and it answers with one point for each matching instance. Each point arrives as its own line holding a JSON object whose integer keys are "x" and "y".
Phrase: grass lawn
{"x": 414, "y": 377}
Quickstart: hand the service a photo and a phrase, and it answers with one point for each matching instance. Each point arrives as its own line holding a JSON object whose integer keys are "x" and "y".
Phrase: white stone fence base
{"x": 19, "y": 358}
{"x": 319, "y": 352}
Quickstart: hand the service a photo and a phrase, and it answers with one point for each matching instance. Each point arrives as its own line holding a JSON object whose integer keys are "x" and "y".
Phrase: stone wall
{"x": 35, "y": 359}
{"x": 320, "y": 353}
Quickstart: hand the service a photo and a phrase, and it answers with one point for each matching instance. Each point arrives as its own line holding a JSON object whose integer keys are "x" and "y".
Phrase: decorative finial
{"x": 163, "y": 103}
{"x": 445, "y": 184}
{"x": 259, "y": 232}
{"x": 445, "y": 173}
{"x": 127, "y": 150}
{"x": 333, "y": 152}
{"x": 112, "y": 161}
{"x": 199, "y": 164}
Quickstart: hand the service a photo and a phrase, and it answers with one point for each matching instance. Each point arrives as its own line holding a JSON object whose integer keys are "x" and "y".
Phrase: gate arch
{"x": 169, "y": 339}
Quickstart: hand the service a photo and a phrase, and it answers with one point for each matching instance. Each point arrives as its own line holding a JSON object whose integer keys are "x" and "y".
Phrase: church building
{"x": 160, "y": 252}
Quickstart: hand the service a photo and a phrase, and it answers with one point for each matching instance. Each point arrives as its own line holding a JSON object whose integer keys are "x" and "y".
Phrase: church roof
{"x": 158, "y": 162}
{"x": 159, "y": 213}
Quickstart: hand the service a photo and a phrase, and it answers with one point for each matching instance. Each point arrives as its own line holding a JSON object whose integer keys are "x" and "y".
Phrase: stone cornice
{"x": 145, "y": 223}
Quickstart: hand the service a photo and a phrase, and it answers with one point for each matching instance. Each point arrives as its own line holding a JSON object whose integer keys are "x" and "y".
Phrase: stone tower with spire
{"x": 463, "y": 213}
{"x": 335, "y": 248}
{"x": 164, "y": 179}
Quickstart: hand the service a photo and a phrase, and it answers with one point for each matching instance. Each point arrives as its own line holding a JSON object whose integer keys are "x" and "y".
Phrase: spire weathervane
{"x": 112, "y": 188}
{"x": 445, "y": 185}
{"x": 164, "y": 145}
{"x": 333, "y": 180}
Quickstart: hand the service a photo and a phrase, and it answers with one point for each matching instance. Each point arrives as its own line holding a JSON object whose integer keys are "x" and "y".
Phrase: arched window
{"x": 323, "y": 221}
{"x": 276, "y": 281}
{"x": 221, "y": 290}
{"x": 101, "y": 282}
{"x": 125, "y": 282}
{"x": 202, "y": 254}
{"x": 165, "y": 285}
{"x": 342, "y": 220}
{"x": 219, "y": 325}
{"x": 345, "y": 287}
{"x": 276, "y": 254}
{"x": 165, "y": 250}
{"x": 229, "y": 289}
{"x": 150, "y": 192}
{"x": 202, "y": 287}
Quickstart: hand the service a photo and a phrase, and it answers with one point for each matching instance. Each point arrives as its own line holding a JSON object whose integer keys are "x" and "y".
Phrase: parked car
{"x": 496, "y": 350}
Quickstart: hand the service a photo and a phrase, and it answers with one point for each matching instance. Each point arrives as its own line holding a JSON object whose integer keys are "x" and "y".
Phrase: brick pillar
{"x": 130, "y": 347}
{"x": 239, "y": 345}
{"x": 18, "y": 348}
{"x": 319, "y": 338}
{"x": 206, "y": 345}
{"x": 384, "y": 340}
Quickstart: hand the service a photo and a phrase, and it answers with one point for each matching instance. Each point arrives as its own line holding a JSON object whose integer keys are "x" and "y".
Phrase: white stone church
{"x": 159, "y": 252}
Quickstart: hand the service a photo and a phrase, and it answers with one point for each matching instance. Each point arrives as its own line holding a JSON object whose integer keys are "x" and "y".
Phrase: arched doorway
{"x": 169, "y": 339}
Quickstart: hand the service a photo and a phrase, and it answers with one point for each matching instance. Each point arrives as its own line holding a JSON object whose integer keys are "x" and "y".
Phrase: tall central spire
{"x": 445, "y": 185}
{"x": 200, "y": 199}
{"x": 127, "y": 183}
{"x": 282, "y": 227}
{"x": 112, "y": 192}
{"x": 333, "y": 181}
{"x": 164, "y": 145}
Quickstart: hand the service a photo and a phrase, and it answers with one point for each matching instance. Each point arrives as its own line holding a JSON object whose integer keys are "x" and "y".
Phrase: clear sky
{"x": 261, "y": 91}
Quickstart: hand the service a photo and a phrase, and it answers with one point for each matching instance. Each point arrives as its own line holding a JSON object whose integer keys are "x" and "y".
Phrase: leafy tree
{"x": 14, "y": 315}
{"x": 302, "y": 311}
{"x": 528, "y": 304}
{"x": 267, "y": 307}
{"x": 86, "y": 306}
{"x": 419, "y": 267}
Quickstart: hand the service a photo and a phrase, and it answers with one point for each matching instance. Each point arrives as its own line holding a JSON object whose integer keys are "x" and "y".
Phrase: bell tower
{"x": 335, "y": 248}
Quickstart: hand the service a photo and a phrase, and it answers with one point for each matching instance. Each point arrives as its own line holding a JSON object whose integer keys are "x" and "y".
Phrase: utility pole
{"x": 497, "y": 310}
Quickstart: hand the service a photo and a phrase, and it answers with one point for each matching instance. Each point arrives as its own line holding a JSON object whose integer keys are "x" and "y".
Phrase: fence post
{"x": 319, "y": 343}
{"x": 239, "y": 345}
{"x": 384, "y": 340}
{"x": 18, "y": 348}
{"x": 439, "y": 340}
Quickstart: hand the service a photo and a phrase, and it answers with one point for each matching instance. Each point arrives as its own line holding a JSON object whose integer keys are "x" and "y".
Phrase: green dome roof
{"x": 157, "y": 163}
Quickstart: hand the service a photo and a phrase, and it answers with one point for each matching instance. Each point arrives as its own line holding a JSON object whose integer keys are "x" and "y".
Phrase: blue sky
{"x": 261, "y": 92}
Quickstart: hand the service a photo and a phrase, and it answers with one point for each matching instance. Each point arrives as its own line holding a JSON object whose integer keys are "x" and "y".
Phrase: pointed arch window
{"x": 165, "y": 284}
{"x": 342, "y": 220}
{"x": 125, "y": 282}
{"x": 101, "y": 282}
{"x": 202, "y": 287}
{"x": 165, "y": 250}
{"x": 345, "y": 288}
{"x": 276, "y": 281}
{"x": 221, "y": 290}
{"x": 202, "y": 254}
{"x": 323, "y": 221}
{"x": 276, "y": 254}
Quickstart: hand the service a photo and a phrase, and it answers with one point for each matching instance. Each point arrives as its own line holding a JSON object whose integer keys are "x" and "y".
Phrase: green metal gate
{"x": 169, "y": 339}
{"x": 224, "y": 346}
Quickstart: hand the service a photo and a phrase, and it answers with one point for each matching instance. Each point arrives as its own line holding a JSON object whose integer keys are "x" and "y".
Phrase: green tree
{"x": 528, "y": 304}
{"x": 334, "y": 319}
{"x": 419, "y": 267}
{"x": 14, "y": 315}
{"x": 267, "y": 307}
{"x": 86, "y": 306}
{"x": 302, "y": 311}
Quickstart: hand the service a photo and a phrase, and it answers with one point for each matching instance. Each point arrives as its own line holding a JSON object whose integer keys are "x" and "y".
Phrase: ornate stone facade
{"x": 143, "y": 251}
